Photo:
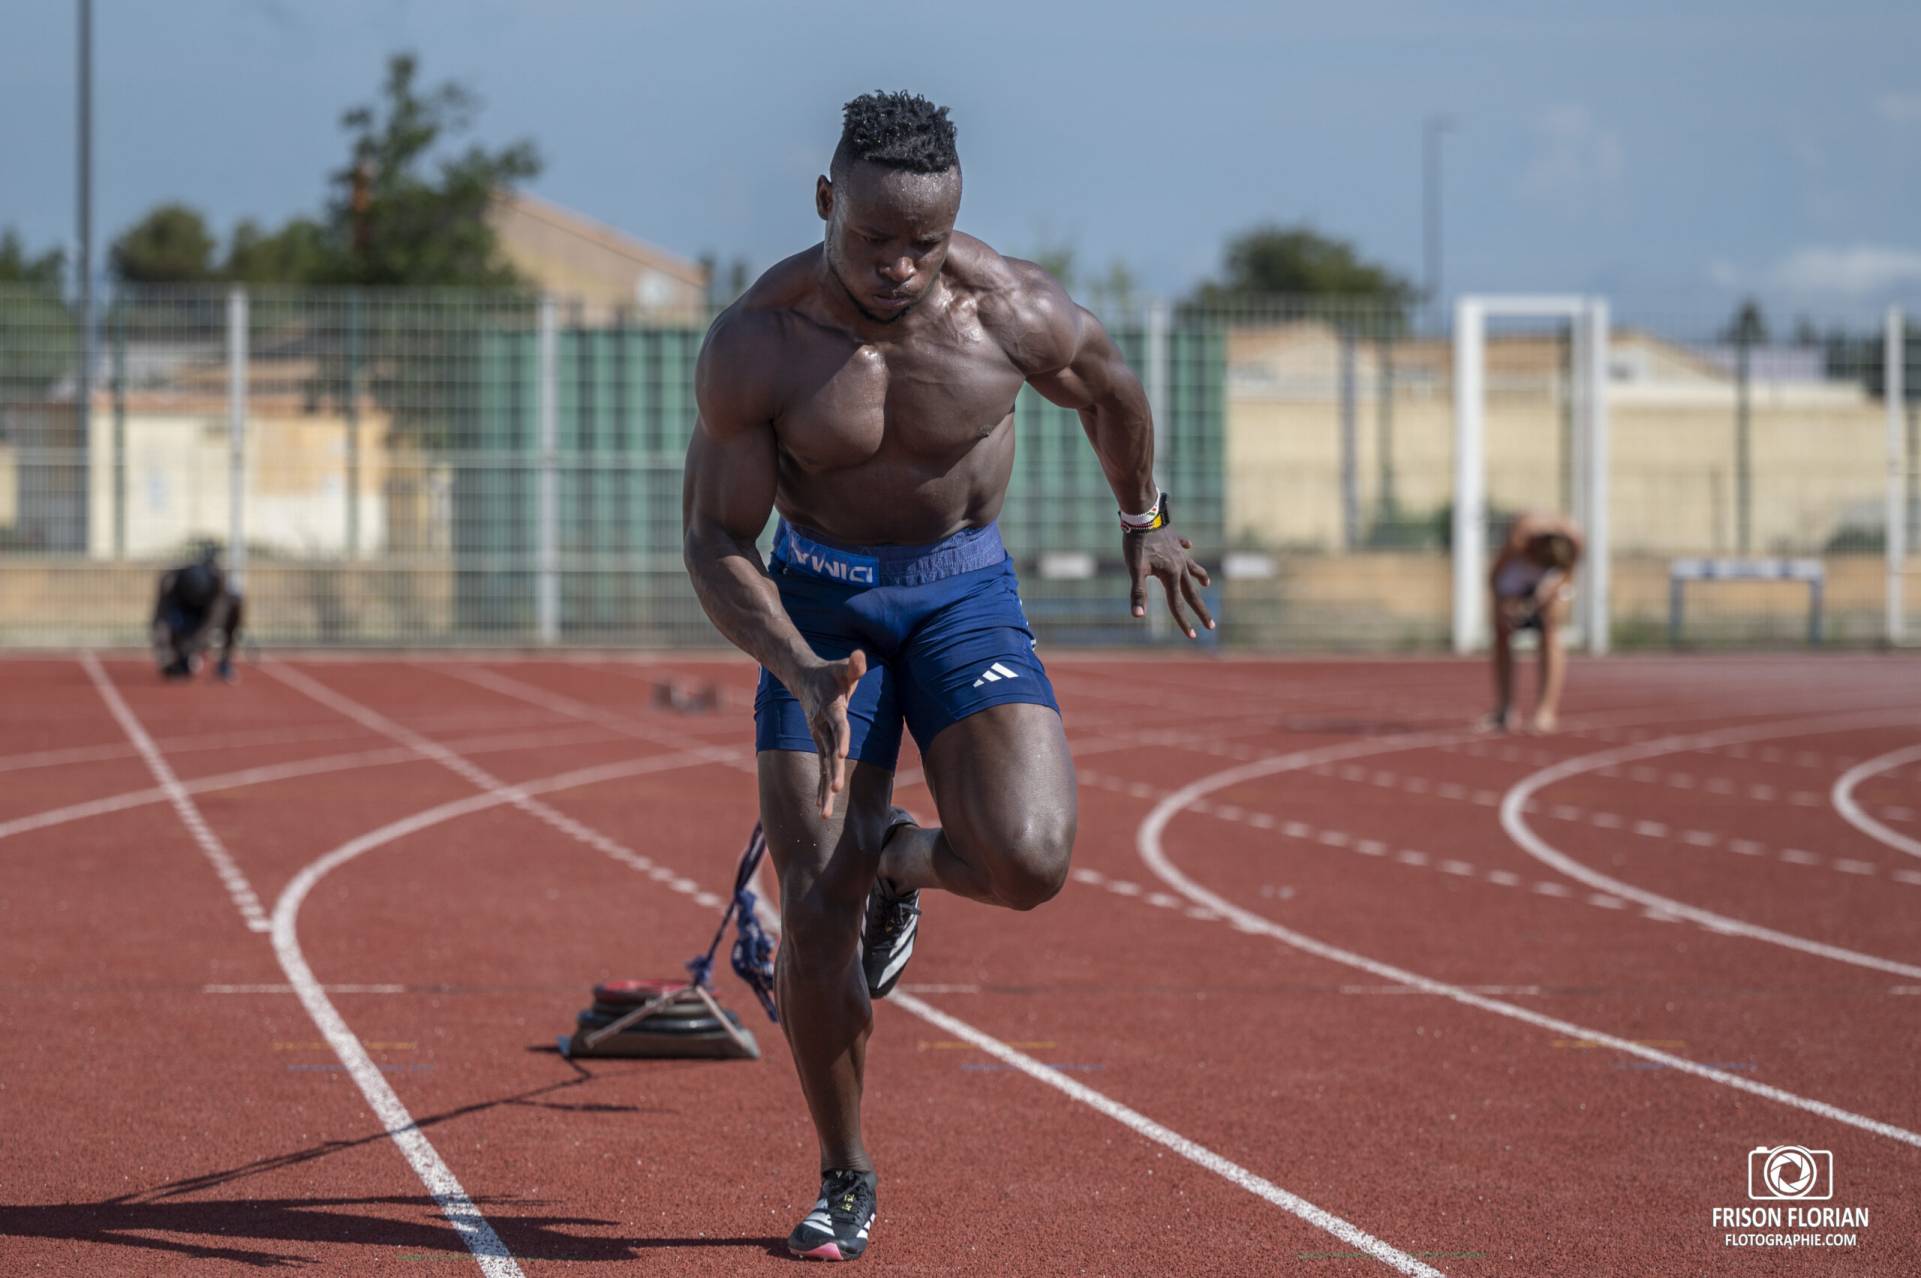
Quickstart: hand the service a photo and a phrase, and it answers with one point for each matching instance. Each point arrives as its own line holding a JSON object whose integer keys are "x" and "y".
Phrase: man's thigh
{"x": 1003, "y": 780}
{"x": 822, "y": 861}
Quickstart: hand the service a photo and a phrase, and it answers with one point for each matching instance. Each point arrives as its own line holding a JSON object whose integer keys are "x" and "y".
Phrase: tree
{"x": 17, "y": 266}
{"x": 298, "y": 253}
{"x": 1748, "y": 326}
{"x": 170, "y": 245}
{"x": 1297, "y": 261}
{"x": 401, "y": 221}
{"x": 39, "y": 335}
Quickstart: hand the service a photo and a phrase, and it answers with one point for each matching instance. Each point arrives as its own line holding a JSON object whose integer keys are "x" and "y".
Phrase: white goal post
{"x": 1589, "y": 317}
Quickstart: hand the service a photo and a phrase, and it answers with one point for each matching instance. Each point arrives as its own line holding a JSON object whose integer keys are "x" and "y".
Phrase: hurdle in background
{"x": 1683, "y": 571}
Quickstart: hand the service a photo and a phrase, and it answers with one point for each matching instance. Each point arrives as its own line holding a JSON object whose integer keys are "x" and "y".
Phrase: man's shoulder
{"x": 1022, "y": 306}
{"x": 735, "y": 377}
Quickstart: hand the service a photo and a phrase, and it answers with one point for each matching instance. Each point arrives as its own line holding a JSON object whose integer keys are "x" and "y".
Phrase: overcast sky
{"x": 1670, "y": 156}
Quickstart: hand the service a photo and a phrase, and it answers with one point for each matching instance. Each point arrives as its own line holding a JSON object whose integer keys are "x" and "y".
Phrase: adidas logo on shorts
{"x": 994, "y": 674}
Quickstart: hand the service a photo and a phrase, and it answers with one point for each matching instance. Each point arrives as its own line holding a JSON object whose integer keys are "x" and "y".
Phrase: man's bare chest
{"x": 930, "y": 401}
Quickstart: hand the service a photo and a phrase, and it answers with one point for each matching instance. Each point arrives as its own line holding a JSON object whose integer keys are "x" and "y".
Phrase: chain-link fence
{"x": 456, "y": 468}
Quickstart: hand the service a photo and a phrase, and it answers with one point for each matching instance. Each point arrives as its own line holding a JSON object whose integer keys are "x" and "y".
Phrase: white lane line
{"x": 1153, "y": 851}
{"x": 1515, "y": 823}
{"x": 459, "y": 1209}
{"x": 1141, "y": 1125}
{"x": 462, "y": 1214}
{"x": 288, "y": 989}
{"x": 1135, "y": 1121}
{"x": 275, "y": 772}
{"x": 1842, "y": 796}
{"x": 239, "y": 891}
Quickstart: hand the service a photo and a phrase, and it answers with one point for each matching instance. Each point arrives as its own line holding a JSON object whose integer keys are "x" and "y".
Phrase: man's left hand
{"x": 1163, "y": 553}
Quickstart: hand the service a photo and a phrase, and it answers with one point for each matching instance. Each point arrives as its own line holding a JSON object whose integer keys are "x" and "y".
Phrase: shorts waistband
{"x": 805, "y": 551}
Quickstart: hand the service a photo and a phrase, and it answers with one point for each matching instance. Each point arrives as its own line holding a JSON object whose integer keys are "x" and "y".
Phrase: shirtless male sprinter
{"x": 864, "y": 389}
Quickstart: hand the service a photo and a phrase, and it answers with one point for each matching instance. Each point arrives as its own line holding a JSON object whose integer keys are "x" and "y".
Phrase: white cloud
{"x": 1861, "y": 270}
{"x": 1724, "y": 273}
{"x": 1576, "y": 161}
{"x": 1900, "y": 108}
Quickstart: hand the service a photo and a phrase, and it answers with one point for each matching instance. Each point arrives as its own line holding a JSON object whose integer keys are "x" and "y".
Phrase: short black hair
{"x": 898, "y": 131}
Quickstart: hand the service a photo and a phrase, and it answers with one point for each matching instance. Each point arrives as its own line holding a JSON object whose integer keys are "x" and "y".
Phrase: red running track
{"x": 1335, "y": 988}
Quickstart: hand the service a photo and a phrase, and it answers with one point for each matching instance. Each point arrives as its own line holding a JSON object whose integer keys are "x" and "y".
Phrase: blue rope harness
{"x": 753, "y": 952}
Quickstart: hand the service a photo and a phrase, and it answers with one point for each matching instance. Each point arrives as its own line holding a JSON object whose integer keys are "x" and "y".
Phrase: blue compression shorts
{"x": 941, "y": 625}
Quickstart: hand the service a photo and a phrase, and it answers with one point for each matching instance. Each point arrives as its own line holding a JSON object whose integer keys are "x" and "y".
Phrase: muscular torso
{"x": 902, "y": 439}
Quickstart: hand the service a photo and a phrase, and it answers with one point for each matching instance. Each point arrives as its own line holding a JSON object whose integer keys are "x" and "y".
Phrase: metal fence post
{"x": 1156, "y": 383}
{"x": 117, "y": 346}
{"x": 547, "y": 493}
{"x": 1743, "y": 441}
{"x": 1350, "y": 448}
{"x": 1470, "y": 514}
{"x": 1894, "y": 390}
{"x": 237, "y": 435}
{"x": 353, "y": 424}
{"x": 1596, "y": 480}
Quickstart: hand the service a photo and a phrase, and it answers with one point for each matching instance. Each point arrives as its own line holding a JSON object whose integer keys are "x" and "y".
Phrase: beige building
{"x": 574, "y": 257}
{"x": 1817, "y": 464}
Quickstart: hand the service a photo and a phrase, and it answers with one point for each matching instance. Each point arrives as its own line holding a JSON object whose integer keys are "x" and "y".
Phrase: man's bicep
{"x": 730, "y": 479}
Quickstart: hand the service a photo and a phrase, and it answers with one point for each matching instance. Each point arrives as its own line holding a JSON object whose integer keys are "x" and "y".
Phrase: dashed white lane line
{"x": 1352, "y": 1235}
{"x": 1514, "y": 820}
{"x": 1647, "y": 829}
{"x": 239, "y": 891}
{"x": 1339, "y": 839}
{"x": 1851, "y": 811}
{"x": 1149, "y": 842}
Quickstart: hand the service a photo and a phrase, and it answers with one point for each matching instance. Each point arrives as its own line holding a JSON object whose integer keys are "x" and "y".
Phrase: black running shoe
{"x": 837, "y": 1227}
{"x": 887, "y": 932}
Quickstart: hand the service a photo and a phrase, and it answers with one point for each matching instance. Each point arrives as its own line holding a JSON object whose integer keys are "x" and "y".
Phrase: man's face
{"x": 887, "y": 234}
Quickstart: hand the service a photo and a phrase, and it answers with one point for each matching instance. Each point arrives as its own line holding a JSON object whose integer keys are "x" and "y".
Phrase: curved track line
{"x": 1149, "y": 842}
{"x": 498, "y": 792}
{"x": 466, "y": 1218}
{"x": 1514, "y": 821}
{"x": 1851, "y": 812}
{"x": 460, "y": 1210}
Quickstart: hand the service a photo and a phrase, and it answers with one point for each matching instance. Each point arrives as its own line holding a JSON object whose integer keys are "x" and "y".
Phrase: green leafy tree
{"x": 408, "y": 210}
{"x": 1748, "y": 326}
{"x": 408, "y": 214}
{"x": 17, "y": 266}
{"x": 170, "y": 245}
{"x": 39, "y": 335}
{"x": 1297, "y": 270}
{"x": 300, "y": 252}
{"x": 1298, "y": 261}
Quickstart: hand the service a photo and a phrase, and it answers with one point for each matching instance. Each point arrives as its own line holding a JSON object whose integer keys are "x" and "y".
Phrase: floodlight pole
{"x": 1431, "y": 130}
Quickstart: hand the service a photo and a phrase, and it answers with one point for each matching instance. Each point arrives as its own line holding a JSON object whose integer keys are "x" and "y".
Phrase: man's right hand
{"x": 823, "y": 693}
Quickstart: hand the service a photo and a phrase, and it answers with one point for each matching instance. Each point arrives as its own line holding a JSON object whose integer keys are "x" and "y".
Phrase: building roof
{"x": 600, "y": 235}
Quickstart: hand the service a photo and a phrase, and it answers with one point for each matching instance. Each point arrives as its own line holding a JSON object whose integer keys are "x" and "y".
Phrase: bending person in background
{"x": 193, "y": 602}
{"x": 1532, "y": 584}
